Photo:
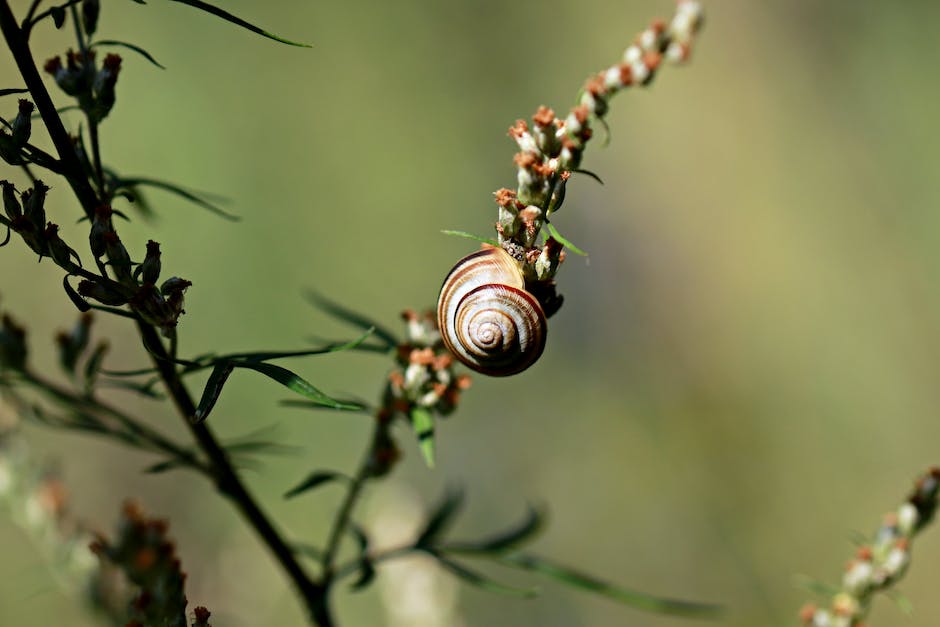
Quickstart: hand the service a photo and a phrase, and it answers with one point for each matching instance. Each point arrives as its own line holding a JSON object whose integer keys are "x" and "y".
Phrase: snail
{"x": 487, "y": 318}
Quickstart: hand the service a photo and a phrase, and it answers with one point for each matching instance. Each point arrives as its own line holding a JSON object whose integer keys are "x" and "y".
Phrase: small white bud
{"x": 895, "y": 562}
{"x": 907, "y": 519}
{"x": 416, "y": 375}
{"x": 858, "y": 578}
{"x": 632, "y": 55}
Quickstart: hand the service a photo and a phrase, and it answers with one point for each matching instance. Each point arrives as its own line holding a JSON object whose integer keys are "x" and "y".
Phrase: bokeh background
{"x": 744, "y": 373}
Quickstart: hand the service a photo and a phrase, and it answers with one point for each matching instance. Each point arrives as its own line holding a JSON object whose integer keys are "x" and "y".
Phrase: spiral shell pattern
{"x": 487, "y": 318}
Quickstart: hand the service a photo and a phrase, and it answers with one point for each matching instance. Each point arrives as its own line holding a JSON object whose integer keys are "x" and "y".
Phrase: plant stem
{"x": 224, "y": 475}
{"x": 155, "y": 439}
{"x": 228, "y": 482}
{"x": 72, "y": 168}
{"x": 341, "y": 522}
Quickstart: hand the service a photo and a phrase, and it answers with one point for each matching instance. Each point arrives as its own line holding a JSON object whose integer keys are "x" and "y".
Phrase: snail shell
{"x": 487, "y": 318}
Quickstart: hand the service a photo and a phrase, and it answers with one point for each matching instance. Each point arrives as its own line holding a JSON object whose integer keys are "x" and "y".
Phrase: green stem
{"x": 17, "y": 43}
{"x": 228, "y": 482}
{"x": 92, "y": 122}
{"x": 156, "y": 440}
{"x": 226, "y": 479}
{"x": 344, "y": 515}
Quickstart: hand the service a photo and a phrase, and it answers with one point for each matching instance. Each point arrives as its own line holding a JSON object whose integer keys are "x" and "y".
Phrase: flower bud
{"x": 34, "y": 201}
{"x": 12, "y": 344}
{"x": 60, "y": 252}
{"x": 10, "y": 203}
{"x": 105, "y": 80}
{"x": 118, "y": 258}
{"x": 102, "y": 293}
{"x": 72, "y": 344}
{"x": 100, "y": 226}
{"x": 149, "y": 270}
{"x": 22, "y": 123}
{"x": 90, "y": 10}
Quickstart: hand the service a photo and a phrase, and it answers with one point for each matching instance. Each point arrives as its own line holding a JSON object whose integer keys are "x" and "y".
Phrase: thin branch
{"x": 17, "y": 42}
{"x": 228, "y": 482}
{"x": 157, "y": 441}
{"x": 224, "y": 475}
{"x": 343, "y": 516}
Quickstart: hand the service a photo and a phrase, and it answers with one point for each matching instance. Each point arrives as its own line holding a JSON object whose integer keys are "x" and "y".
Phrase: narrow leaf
{"x": 500, "y": 542}
{"x": 347, "y": 402}
{"x": 295, "y": 383}
{"x": 347, "y": 315}
{"x": 197, "y": 199}
{"x": 475, "y": 238}
{"x": 164, "y": 466}
{"x": 563, "y": 241}
{"x": 815, "y": 586}
{"x": 114, "y": 311}
{"x": 261, "y": 356}
{"x": 632, "y": 598}
{"x": 308, "y": 550}
{"x": 7, "y": 92}
{"x": 423, "y": 424}
{"x": 317, "y": 478}
{"x": 485, "y": 583}
{"x": 261, "y": 446}
{"x": 144, "y": 389}
{"x": 225, "y": 15}
{"x": 124, "y": 44}
{"x": 77, "y": 300}
{"x": 366, "y": 566}
{"x": 213, "y": 389}
{"x": 93, "y": 365}
{"x": 589, "y": 173}
{"x": 441, "y": 519}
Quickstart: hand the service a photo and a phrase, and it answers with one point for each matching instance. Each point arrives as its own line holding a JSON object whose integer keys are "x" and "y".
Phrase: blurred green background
{"x": 744, "y": 373}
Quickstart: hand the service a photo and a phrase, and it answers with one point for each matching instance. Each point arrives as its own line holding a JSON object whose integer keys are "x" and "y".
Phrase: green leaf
{"x": 210, "y": 394}
{"x": 423, "y": 424}
{"x": 144, "y": 389}
{"x": 308, "y": 550}
{"x": 164, "y": 466}
{"x": 466, "y": 235}
{"x": 7, "y": 92}
{"x": 366, "y": 565}
{"x": 363, "y": 408}
{"x": 485, "y": 583}
{"x": 589, "y": 173}
{"x": 904, "y": 604}
{"x": 563, "y": 241}
{"x": 124, "y": 44}
{"x": 356, "y": 319}
{"x": 295, "y": 383}
{"x": 632, "y": 598}
{"x": 93, "y": 366}
{"x": 76, "y": 299}
{"x": 815, "y": 586}
{"x": 244, "y": 447}
{"x": 316, "y": 478}
{"x": 198, "y": 199}
{"x": 225, "y": 15}
{"x": 206, "y": 361}
{"x": 223, "y": 368}
{"x": 500, "y": 542}
{"x": 261, "y": 356}
{"x": 441, "y": 519}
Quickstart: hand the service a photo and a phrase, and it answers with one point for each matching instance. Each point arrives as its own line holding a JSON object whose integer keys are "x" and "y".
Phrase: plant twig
{"x": 224, "y": 475}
